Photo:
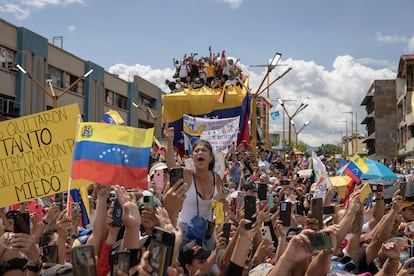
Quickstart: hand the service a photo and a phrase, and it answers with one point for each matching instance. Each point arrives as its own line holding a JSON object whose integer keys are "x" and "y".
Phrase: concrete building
{"x": 381, "y": 120}
{"x": 51, "y": 69}
{"x": 405, "y": 115}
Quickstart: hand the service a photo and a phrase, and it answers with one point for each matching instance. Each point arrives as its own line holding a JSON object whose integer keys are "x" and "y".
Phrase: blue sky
{"x": 336, "y": 48}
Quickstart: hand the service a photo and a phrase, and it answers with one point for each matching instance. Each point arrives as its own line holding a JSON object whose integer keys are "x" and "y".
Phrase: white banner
{"x": 221, "y": 133}
{"x": 322, "y": 183}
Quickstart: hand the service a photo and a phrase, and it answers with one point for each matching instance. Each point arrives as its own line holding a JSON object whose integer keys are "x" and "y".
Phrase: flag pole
{"x": 71, "y": 167}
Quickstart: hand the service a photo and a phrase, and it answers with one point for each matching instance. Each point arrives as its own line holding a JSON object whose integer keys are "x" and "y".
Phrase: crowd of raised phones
{"x": 261, "y": 218}
{"x": 213, "y": 71}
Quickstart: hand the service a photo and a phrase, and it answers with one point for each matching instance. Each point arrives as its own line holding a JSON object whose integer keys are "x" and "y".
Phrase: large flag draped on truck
{"x": 203, "y": 103}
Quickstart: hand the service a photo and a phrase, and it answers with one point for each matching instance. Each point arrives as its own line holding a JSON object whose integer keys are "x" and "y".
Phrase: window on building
{"x": 410, "y": 77}
{"x": 56, "y": 76}
{"x": 115, "y": 99}
{"x": 7, "y": 58}
{"x": 72, "y": 79}
{"x": 9, "y": 107}
{"x": 143, "y": 124}
{"x": 146, "y": 100}
{"x": 109, "y": 97}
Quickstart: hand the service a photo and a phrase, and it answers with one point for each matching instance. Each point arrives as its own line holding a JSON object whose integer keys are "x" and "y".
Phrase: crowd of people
{"x": 261, "y": 218}
{"x": 213, "y": 71}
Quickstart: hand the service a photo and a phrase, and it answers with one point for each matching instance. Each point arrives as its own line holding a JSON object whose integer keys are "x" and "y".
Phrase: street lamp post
{"x": 302, "y": 106}
{"x": 52, "y": 94}
{"x": 346, "y": 137}
{"x": 300, "y": 130}
{"x": 352, "y": 130}
{"x": 271, "y": 66}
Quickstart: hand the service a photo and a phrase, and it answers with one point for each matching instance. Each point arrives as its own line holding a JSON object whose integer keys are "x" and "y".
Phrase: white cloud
{"x": 23, "y": 8}
{"x": 331, "y": 92}
{"x": 233, "y": 3}
{"x": 71, "y": 29}
{"x": 411, "y": 44}
{"x": 389, "y": 38}
{"x": 15, "y": 9}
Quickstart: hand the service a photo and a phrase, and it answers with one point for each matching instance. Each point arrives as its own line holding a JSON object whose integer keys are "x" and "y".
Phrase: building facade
{"x": 405, "y": 114}
{"x": 381, "y": 120}
{"x": 50, "y": 78}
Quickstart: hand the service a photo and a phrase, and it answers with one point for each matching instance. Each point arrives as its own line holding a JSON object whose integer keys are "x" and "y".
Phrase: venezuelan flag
{"x": 353, "y": 172}
{"x": 266, "y": 102}
{"x": 360, "y": 163}
{"x": 112, "y": 117}
{"x": 112, "y": 154}
{"x": 203, "y": 103}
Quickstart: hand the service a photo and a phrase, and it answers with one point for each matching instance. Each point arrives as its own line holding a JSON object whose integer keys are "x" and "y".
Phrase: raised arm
{"x": 169, "y": 155}
{"x": 382, "y": 230}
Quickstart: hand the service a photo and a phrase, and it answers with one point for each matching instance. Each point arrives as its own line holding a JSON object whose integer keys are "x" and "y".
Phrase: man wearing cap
{"x": 192, "y": 258}
{"x": 250, "y": 188}
{"x": 407, "y": 211}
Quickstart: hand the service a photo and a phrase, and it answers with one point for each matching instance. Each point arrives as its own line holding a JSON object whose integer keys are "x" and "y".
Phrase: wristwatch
{"x": 35, "y": 268}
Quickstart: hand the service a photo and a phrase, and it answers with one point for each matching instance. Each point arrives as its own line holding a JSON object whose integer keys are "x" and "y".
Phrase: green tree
{"x": 329, "y": 150}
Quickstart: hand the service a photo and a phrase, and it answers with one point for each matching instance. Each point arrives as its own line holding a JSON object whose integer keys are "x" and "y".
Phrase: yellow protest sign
{"x": 36, "y": 154}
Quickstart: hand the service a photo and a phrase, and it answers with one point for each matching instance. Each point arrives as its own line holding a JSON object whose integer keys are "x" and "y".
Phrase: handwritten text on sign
{"x": 36, "y": 154}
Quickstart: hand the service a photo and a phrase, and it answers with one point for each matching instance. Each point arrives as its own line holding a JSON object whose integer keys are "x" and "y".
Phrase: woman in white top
{"x": 203, "y": 183}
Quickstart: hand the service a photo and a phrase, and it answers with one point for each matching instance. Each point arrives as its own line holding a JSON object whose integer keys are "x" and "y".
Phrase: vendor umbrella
{"x": 377, "y": 170}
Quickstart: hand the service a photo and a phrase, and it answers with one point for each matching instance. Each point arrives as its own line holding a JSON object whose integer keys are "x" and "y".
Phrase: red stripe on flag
{"x": 111, "y": 174}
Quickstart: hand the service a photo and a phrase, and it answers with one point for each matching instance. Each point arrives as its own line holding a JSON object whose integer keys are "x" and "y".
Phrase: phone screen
{"x": 328, "y": 210}
{"x": 149, "y": 201}
{"x": 403, "y": 187}
{"x": 159, "y": 180}
{"x": 262, "y": 191}
{"x": 250, "y": 210}
{"x": 83, "y": 260}
{"x": 226, "y": 231}
{"x": 21, "y": 223}
{"x": 319, "y": 241}
{"x": 285, "y": 212}
{"x": 365, "y": 191}
{"x": 161, "y": 250}
{"x": 317, "y": 210}
{"x": 176, "y": 174}
{"x": 117, "y": 214}
{"x": 121, "y": 262}
{"x": 76, "y": 211}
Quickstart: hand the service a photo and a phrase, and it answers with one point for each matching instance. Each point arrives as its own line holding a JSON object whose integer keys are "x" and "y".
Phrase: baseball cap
{"x": 407, "y": 204}
{"x": 343, "y": 264}
{"x": 191, "y": 251}
{"x": 157, "y": 166}
{"x": 250, "y": 186}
